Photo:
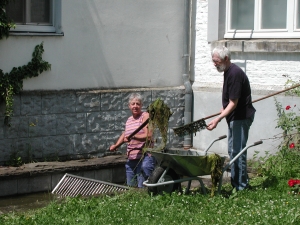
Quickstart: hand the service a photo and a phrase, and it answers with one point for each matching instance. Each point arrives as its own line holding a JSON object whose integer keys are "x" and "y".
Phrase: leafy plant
{"x": 5, "y": 23}
{"x": 12, "y": 83}
{"x": 14, "y": 160}
{"x": 285, "y": 163}
{"x": 258, "y": 162}
{"x": 289, "y": 122}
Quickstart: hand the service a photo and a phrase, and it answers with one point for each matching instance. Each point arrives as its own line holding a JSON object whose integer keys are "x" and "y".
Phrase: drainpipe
{"x": 186, "y": 72}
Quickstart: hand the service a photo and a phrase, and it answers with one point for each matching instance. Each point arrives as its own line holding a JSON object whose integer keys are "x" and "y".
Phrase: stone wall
{"x": 59, "y": 125}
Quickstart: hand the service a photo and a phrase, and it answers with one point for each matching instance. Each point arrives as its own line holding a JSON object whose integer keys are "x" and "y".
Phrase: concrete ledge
{"x": 44, "y": 176}
{"x": 260, "y": 45}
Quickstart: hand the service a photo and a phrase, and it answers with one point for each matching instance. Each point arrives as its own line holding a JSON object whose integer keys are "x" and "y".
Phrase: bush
{"x": 285, "y": 163}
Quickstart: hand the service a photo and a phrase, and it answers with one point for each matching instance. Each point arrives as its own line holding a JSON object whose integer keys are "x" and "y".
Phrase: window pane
{"x": 15, "y": 11}
{"x": 40, "y": 11}
{"x": 242, "y": 14}
{"x": 274, "y": 14}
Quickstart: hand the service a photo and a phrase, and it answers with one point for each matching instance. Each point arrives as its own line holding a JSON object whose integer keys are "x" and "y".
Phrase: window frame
{"x": 291, "y": 30}
{"x": 54, "y": 28}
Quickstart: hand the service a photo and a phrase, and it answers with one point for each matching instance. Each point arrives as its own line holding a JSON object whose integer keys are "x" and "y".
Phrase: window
{"x": 42, "y": 16}
{"x": 262, "y": 19}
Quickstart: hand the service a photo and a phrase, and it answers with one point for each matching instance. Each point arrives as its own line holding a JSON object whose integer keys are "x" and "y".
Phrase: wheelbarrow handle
{"x": 218, "y": 139}
{"x": 258, "y": 143}
{"x": 241, "y": 152}
{"x": 222, "y": 137}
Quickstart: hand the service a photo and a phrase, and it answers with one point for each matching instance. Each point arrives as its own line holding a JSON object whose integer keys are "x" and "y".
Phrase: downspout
{"x": 186, "y": 72}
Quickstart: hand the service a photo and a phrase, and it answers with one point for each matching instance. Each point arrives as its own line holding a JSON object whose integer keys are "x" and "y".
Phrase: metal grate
{"x": 72, "y": 185}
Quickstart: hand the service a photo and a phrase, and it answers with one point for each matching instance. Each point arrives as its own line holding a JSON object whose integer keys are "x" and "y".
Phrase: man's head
{"x": 135, "y": 104}
{"x": 221, "y": 58}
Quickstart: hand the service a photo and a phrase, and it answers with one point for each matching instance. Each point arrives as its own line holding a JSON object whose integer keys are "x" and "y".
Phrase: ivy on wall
{"x": 12, "y": 83}
{"x": 5, "y": 23}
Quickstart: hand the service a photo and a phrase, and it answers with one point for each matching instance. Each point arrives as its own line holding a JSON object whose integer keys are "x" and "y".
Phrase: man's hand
{"x": 126, "y": 139}
{"x": 113, "y": 148}
{"x": 213, "y": 124}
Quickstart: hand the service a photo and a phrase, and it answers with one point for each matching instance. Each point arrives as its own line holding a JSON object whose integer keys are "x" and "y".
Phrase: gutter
{"x": 186, "y": 71}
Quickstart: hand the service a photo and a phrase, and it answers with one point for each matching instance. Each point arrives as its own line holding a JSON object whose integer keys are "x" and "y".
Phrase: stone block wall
{"x": 59, "y": 125}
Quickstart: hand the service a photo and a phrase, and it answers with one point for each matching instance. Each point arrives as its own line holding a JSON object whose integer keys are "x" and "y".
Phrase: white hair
{"x": 222, "y": 51}
{"x": 135, "y": 96}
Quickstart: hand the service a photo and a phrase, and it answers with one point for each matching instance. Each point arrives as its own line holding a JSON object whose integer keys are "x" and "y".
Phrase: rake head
{"x": 190, "y": 128}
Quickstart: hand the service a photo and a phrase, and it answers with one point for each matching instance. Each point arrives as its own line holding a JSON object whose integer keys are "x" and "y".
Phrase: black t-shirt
{"x": 236, "y": 86}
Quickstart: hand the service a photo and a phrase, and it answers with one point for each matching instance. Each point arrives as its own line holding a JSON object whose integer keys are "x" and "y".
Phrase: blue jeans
{"x": 138, "y": 170}
{"x": 238, "y": 131}
{"x": 134, "y": 176}
{"x": 148, "y": 165}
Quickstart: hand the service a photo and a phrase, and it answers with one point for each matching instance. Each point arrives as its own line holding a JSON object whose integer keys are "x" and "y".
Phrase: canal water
{"x": 23, "y": 203}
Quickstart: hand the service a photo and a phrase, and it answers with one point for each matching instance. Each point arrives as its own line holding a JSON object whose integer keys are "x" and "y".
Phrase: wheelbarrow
{"x": 177, "y": 166}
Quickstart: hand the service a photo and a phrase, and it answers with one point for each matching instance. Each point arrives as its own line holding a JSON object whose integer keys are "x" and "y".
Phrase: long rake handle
{"x": 276, "y": 93}
{"x": 256, "y": 100}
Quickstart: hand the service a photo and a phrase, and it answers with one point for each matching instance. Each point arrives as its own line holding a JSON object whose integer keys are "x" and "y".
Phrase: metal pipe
{"x": 186, "y": 72}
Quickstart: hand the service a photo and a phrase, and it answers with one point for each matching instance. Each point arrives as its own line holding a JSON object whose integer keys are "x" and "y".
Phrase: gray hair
{"x": 135, "y": 96}
{"x": 222, "y": 51}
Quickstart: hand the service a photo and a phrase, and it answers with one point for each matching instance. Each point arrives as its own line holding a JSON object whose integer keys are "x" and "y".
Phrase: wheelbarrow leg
{"x": 187, "y": 190}
{"x": 190, "y": 179}
{"x": 232, "y": 161}
{"x": 202, "y": 186}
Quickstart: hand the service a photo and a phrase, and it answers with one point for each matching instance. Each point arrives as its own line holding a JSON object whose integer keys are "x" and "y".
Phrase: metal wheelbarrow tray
{"x": 177, "y": 166}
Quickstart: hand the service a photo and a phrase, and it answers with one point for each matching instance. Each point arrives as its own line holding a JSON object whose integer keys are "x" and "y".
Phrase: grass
{"x": 269, "y": 202}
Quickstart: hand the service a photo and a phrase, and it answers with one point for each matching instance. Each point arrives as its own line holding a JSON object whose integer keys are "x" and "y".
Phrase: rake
{"x": 200, "y": 124}
{"x": 72, "y": 186}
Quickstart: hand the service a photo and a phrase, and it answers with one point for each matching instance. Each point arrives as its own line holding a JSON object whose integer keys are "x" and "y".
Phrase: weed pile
{"x": 159, "y": 114}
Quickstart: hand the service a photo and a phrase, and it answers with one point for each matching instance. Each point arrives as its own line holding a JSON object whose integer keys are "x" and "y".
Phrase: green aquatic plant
{"x": 159, "y": 114}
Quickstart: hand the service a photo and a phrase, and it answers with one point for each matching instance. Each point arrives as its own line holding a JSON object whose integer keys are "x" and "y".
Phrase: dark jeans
{"x": 238, "y": 132}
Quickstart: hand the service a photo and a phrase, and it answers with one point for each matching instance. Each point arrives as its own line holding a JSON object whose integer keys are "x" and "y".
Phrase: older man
{"x": 238, "y": 111}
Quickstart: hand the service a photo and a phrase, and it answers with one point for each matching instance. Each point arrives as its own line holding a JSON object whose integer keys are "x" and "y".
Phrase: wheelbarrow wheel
{"x": 169, "y": 176}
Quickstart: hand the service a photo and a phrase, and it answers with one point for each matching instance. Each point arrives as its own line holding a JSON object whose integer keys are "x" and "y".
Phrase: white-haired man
{"x": 238, "y": 111}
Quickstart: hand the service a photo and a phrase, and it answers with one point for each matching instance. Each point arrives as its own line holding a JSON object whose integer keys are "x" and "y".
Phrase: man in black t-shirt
{"x": 239, "y": 113}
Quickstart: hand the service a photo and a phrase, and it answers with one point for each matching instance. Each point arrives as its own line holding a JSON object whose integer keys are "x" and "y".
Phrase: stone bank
{"x": 44, "y": 176}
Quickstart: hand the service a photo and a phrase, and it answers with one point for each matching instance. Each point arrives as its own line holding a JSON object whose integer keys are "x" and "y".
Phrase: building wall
{"x": 268, "y": 65}
{"x": 109, "y": 49}
{"x": 106, "y": 44}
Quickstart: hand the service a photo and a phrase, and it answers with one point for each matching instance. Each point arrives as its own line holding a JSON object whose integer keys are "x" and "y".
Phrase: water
{"x": 23, "y": 203}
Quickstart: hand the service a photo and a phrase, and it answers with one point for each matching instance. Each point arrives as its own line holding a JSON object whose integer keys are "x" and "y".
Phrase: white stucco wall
{"x": 106, "y": 44}
{"x": 265, "y": 72}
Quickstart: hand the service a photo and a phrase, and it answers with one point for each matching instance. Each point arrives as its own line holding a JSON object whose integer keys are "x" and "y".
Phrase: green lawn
{"x": 269, "y": 202}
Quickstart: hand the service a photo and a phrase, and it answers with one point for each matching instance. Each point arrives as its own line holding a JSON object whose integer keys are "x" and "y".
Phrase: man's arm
{"x": 120, "y": 141}
{"x": 230, "y": 107}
